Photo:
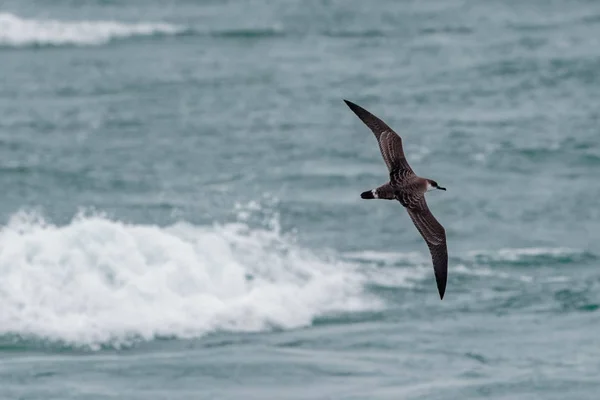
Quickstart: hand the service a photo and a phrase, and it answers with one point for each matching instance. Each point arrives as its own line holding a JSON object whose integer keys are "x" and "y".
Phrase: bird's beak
{"x": 441, "y": 188}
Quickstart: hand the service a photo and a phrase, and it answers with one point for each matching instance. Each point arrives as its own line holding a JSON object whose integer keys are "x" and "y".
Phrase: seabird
{"x": 409, "y": 189}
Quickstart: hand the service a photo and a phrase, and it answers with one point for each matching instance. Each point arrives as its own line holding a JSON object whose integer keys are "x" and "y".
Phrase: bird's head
{"x": 433, "y": 185}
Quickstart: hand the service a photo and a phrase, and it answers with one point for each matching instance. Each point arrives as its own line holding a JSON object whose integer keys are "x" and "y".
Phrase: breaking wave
{"x": 97, "y": 281}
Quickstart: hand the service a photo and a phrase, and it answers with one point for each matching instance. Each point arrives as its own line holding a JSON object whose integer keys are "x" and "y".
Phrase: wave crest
{"x": 20, "y": 32}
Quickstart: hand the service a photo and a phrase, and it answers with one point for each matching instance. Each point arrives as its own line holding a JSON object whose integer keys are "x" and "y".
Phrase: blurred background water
{"x": 180, "y": 201}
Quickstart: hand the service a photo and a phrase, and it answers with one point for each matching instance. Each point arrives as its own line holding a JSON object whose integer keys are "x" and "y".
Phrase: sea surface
{"x": 180, "y": 212}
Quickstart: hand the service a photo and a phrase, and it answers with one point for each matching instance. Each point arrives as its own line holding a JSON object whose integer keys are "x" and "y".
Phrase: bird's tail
{"x": 367, "y": 195}
{"x": 382, "y": 192}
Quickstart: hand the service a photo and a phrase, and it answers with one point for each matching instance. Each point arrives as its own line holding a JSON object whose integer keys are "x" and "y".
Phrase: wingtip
{"x": 440, "y": 271}
{"x": 356, "y": 109}
{"x": 367, "y": 195}
{"x": 350, "y": 104}
{"x": 442, "y": 289}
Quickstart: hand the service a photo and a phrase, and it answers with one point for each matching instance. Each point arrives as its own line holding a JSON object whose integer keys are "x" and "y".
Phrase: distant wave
{"x": 370, "y": 33}
{"x": 458, "y": 30}
{"x": 526, "y": 255}
{"x": 250, "y": 33}
{"x": 99, "y": 282}
{"x": 411, "y": 268}
{"x": 531, "y": 256}
{"x": 21, "y": 32}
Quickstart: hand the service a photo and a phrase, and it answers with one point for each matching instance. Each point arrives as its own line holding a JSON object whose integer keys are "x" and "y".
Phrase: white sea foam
{"x": 18, "y": 32}
{"x": 99, "y": 281}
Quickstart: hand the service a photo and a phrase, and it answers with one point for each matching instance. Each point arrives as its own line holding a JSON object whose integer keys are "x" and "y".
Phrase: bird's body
{"x": 409, "y": 189}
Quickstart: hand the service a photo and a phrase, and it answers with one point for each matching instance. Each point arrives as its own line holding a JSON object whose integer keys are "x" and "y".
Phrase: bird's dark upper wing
{"x": 390, "y": 143}
{"x": 435, "y": 237}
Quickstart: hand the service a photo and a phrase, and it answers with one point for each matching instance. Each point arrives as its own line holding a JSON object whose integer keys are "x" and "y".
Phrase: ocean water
{"x": 181, "y": 217}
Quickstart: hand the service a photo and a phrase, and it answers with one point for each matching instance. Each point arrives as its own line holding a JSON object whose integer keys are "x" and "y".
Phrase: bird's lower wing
{"x": 435, "y": 237}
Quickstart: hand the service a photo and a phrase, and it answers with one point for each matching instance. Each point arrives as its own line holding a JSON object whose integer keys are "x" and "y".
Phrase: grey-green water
{"x": 180, "y": 200}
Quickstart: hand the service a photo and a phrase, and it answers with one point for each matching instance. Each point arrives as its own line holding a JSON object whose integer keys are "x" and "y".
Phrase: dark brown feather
{"x": 435, "y": 237}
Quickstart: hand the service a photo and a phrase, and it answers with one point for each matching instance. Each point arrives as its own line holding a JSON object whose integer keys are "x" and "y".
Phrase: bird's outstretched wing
{"x": 435, "y": 237}
{"x": 390, "y": 143}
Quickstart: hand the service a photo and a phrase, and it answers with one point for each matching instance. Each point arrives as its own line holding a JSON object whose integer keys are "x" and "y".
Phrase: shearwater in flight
{"x": 409, "y": 189}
